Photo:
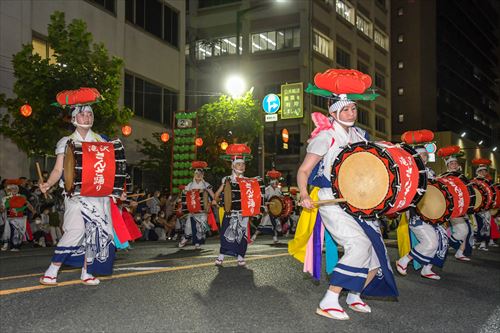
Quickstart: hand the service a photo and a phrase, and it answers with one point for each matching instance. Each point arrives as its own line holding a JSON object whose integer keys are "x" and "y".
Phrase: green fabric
{"x": 312, "y": 89}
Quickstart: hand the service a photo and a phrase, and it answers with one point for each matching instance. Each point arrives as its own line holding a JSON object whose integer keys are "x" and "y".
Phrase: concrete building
{"x": 445, "y": 73}
{"x": 148, "y": 35}
{"x": 289, "y": 41}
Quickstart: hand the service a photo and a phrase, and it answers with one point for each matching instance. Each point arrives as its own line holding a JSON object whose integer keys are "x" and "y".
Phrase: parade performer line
{"x": 126, "y": 275}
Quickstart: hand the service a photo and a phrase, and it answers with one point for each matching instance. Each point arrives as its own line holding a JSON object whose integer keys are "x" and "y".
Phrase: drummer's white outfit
{"x": 432, "y": 243}
{"x": 88, "y": 230}
{"x": 197, "y": 222}
{"x": 360, "y": 256}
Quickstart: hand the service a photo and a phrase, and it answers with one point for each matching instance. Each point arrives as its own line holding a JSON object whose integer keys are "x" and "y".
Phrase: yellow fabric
{"x": 403, "y": 233}
{"x": 305, "y": 226}
{"x": 221, "y": 215}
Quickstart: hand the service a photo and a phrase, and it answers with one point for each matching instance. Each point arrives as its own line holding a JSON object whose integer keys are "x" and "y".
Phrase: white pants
{"x": 428, "y": 239}
{"x": 358, "y": 249}
{"x": 460, "y": 229}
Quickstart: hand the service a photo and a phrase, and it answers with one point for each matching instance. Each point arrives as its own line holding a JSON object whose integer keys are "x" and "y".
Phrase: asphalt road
{"x": 159, "y": 288}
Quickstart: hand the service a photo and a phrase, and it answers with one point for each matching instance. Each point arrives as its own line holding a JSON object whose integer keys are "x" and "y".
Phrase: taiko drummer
{"x": 364, "y": 253}
{"x": 87, "y": 241}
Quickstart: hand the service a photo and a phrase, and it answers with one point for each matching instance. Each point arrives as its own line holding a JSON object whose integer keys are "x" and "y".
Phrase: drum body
{"x": 464, "y": 197}
{"x": 377, "y": 178}
{"x": 437, "y": 203}
{"x": 496, "y": 190}
{"x": 281, "y": 207}
{"x": 232, "y": 199}
{"x": 485, "y": 191}
{"x": 92, "y": 166}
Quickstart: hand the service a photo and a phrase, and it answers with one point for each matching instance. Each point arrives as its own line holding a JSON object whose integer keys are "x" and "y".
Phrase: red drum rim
{"x": 460, "y": 194}
{"x": 486, "y": 192}
{"x": 468, "y": 184}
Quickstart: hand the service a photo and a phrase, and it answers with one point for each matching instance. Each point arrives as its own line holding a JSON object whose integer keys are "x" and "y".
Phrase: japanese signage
{"x": 98, "y": 174}
{"x": 250, "y": 196}
{"x": 292, "y": 100}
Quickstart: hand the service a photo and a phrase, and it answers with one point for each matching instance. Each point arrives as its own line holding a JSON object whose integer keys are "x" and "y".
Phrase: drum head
{"x": 363, "y": 180}
{"x": 275, "y": 206}
{"x": 433, "y": 203}
{"x": 228, "y": 196}
{"x": 479, "y": 198}
{"x": 69, "y": 167}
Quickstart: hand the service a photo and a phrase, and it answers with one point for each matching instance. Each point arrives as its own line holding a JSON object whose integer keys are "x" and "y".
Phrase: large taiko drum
{"x": 437, "y": 203}
{"x": 377, "y": 178}
{"x": 496, "y": 190}
{"x": 245, "y": 196}
{"x": 95, "y": 169}
{"x": 280, "y": 207}
{"x": 462, "y": 191}
{"x": 484, "y": 193}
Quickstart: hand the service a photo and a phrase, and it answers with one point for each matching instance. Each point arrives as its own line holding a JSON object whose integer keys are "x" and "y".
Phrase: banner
{"x": 98, "y": 173}
{"x": 251, "y": 197}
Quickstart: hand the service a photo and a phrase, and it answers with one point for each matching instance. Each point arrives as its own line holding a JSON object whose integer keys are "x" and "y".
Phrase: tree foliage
{"x": 231, "y": 119}
{"x": 157, "y": 162}
{"x": 78, "y": 63}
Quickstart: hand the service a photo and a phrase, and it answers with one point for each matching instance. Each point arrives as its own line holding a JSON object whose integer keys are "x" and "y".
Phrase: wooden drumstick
{"x": 135, "y": 195}
{"x": 145, "y": 200}
{"x": 40, "y": 177}
{"x": 327, "y": 202}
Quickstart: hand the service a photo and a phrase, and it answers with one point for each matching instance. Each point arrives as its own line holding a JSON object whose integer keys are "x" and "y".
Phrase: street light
{"x": 463, "y": 134}
{"x": 494, "y": 149}
{"x": 235, "y": 86}
{"x": 480, "y": 142}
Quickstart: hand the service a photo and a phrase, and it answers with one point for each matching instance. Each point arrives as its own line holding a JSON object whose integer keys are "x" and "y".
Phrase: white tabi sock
{"x": 353, "y": 297}
{"x": 459, "y": 253}
{"x": 85, "y": 275}
{"x": 240, "y": 258}
{"x": 427, "y": 269}
{"x": 220, "y": 257}
{"x": 404, "y": 261}
{"x": 330, "y": 300}
{"x": 52, "y": 270}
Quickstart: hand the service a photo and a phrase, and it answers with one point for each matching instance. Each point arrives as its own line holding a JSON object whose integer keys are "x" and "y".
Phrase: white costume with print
{"x": 358, "y": 249}
{"x": 75, "y": 241}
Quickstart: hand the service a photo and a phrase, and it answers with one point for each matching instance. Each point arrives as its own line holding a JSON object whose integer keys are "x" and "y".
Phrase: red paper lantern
{"x": 126, "y": 130}
{"x": 284, "y": 135}
{"x": 198, "y": 142}
{"x": 447, "y": 151}
{"x": 165, "y": 137}
{"x": 26, "y": 110}
{"x": 223, "y": 145}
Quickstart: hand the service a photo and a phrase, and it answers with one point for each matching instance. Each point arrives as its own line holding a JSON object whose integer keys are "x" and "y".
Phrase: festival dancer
{"x": 16, "y": 224}
{"x": 87, "y": 241}
{"x": 243, "y": 201}
{"x": 270, "y": 224}
{"x": 431, "y": 239}
{"x": 365, "y": 255}
{"x": 461, "y": 230}
{"x": 196, "y": 226}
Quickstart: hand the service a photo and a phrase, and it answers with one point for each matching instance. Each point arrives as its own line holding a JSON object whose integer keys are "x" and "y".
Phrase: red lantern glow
{"x": 223, "y": 145}
{"x": 126, "y": 130}
{"x": 284, "y": 135}
{"x": 26, "y": 110}
{"x": 198, "y": 142}
{"x": 165, "y": 137}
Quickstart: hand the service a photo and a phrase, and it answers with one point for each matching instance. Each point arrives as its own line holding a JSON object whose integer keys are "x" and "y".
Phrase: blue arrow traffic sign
{"x": 271, "y": 103}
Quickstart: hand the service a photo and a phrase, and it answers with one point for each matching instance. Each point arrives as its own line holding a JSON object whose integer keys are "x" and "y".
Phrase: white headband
{"x": 339, "y": 105}
{"x": 421, "y": 150}
{"x": 81, "y": 108}
{"x": 450, "y": 159}
{"x": 482, "y": 167}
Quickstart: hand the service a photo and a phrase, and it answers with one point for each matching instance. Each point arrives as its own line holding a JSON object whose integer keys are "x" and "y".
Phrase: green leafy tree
{"x": 231, "y": 119}
{"x": 78, "y": 63}
{"x": 156, "y": 164}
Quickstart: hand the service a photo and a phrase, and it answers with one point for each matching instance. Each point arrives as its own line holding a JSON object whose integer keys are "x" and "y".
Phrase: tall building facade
{"x": 445, "y": 65}
{"x": 273, "y": 42}
{"x": 149, "y": 35}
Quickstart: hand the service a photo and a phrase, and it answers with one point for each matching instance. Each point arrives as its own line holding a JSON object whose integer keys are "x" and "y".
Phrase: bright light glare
{"x": 480, "y": 142}
{"x": 235, "y": 86}
{"x": 463, "y": 134}
{"x": 495, "y": 148}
